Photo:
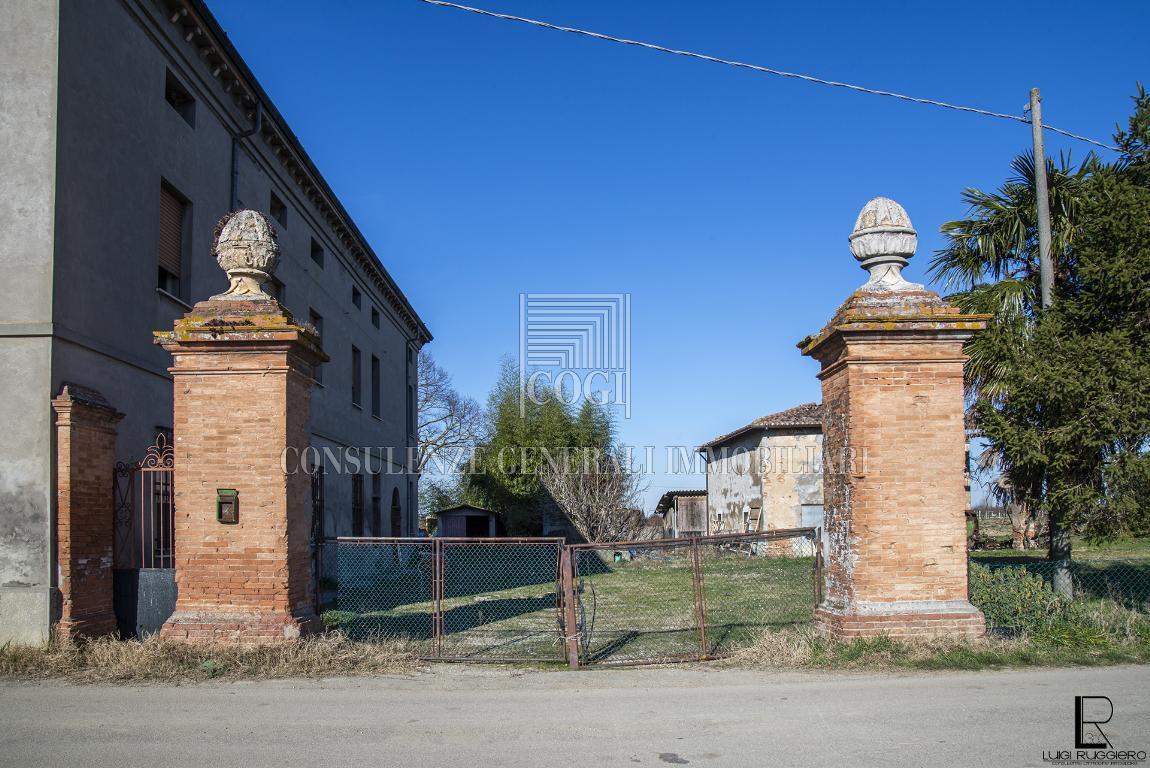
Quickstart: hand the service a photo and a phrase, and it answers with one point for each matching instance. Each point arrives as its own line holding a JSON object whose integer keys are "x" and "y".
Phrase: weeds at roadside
{"x": 155, "y": 660}
{"x": 805, "y": 648}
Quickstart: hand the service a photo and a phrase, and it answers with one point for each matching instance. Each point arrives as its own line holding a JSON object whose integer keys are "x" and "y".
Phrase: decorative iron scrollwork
{"x": 159, "y": 455}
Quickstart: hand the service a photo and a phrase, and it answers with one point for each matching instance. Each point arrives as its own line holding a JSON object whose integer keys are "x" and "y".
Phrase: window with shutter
{"x": 171, "y": 253}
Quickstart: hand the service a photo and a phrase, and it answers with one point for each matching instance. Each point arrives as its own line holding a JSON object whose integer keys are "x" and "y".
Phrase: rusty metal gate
{"x": 689, "y": 599}
{"x": 144, "y": 541}
{"x": 537, "y": 599}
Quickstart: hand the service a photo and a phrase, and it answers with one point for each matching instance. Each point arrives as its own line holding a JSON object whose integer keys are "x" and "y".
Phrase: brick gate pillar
{"x": 85, "y": 461}
{"x": 894, "y": 447}
{"x": 242, "y": 377}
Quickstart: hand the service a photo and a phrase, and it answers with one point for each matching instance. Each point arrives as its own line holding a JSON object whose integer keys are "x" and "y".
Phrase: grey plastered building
{"x": 767, "y": 475}
{"x": 127, "y": 129}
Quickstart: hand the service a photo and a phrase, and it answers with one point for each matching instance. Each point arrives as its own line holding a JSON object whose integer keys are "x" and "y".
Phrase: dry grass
{"x": 164, "y": 661}
{"x": 804, "y": 648}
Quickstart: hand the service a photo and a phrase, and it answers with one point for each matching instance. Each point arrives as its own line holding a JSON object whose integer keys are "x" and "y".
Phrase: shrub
{"x": 1013, "y": 598}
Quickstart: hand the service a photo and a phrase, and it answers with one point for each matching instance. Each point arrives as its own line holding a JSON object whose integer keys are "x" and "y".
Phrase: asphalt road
{"x": 477, "y": 717}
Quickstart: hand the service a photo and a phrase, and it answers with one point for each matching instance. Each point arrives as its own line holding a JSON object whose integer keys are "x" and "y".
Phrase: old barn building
{"x": 767, "y": 474}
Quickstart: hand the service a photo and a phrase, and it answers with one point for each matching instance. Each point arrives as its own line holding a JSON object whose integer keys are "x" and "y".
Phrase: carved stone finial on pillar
{"x": 242, "y": 375}
{"x": 246, "y": 248}
{"x": 884, "y": 241}
{"x": 893, "y": 447}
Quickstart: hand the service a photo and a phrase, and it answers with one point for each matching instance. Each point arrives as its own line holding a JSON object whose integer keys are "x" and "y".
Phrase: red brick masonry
{"x": 894, "y": 485}
{"x": 242, "y": 380}
{"x": 85, "y": 461}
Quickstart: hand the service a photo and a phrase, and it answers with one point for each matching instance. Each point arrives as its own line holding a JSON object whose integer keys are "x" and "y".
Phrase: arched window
{"x": 396, "y": 514}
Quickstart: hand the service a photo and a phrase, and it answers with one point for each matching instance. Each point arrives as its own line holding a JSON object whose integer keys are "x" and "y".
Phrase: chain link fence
{"x": 668, "y": 599}
{"x": 539, "y": 600}
{"x": 456, "y": 599}
{"x": 372, "y": 589}
{"x": 1109, "y": 593}
{"x": 499, "y": 600}
{"x": 697, "y": 598}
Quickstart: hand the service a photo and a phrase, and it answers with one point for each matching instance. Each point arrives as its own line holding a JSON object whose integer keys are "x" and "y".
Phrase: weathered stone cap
{"x": 919, "y": 310}
{"x": 251, "y": 321}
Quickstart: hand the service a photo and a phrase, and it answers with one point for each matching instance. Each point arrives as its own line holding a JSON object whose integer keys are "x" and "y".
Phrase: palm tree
{"x": 990, "y": 261}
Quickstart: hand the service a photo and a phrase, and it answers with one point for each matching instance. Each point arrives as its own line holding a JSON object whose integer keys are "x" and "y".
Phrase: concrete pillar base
{"x": 247, "y": 628}
{"x": 902, "y": 620}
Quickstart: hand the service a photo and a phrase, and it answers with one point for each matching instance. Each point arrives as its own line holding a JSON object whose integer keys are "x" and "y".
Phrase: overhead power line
{"x": 766, "y": 70}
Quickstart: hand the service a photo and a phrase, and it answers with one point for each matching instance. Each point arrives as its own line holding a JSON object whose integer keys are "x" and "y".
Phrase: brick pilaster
{"x": 894, "y": 448}
{"x": 242, "y": 378}
{"x": 85, "y": 461}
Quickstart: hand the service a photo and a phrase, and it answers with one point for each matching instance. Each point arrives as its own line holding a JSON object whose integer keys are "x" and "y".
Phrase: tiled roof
{"x": 807, "y": 415}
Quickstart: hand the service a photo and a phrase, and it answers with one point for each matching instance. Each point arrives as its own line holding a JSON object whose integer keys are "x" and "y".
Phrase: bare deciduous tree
{"x": 448, "y": 421}
{"x": 598, "y": 493}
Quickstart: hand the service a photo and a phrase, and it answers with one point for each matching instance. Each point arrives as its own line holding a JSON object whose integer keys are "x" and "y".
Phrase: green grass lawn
{"x": 640, "y": 608}
{"x": 1136, "y": 549}
{"x": 645, "y": 608}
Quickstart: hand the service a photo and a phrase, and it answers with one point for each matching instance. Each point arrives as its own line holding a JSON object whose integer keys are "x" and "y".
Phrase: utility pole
{"x": 1059, "y": 534}
{"x": 1042, "y": 195}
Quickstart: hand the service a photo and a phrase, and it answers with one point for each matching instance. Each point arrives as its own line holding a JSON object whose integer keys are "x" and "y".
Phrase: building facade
{"x": 129, "y": 128}
{"x": 767, "y": 475}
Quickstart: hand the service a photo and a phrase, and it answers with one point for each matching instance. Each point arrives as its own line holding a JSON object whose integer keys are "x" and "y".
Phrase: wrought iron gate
{"x": 144, "y": 541}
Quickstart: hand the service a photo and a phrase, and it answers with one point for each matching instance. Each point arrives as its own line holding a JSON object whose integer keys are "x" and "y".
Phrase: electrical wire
{"x": 767, "y": 70}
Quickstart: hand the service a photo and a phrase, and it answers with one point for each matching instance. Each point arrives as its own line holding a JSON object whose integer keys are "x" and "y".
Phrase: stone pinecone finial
{"x": 883, "y": 241}
{"x": 246, "y": 248}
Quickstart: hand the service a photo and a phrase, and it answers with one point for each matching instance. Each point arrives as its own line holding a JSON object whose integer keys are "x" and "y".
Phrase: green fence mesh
{"x": 1016, "y": 591}
{"x": 690, "y": 598}
{"x": 503, "y": 599}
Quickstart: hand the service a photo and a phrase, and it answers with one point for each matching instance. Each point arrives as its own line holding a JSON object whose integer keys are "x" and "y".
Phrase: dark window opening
{"x": 411, "y": 410}
{"x": 396, "y": 514}
{"x": 357, "y": 505}
{"x": 375, "y": 386}
{"x": 317, "y": 253}
{"x": 278, "y": 210}
{"x": 476, "y": 526}
{"x": 180, "y": 99}
{"x": 356, "y": 297}
{"x": 375, "y": 317}
{"x": 317, "y": 521}
{"x": 316, "y": 319}
{"x": 173, "y": 220}
{"x": 376, "y": 505}
{"x": 356, "y": 375}
{"x": 276, "y": 290}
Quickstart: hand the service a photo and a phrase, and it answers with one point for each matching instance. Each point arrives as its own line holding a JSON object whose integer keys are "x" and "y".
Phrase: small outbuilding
{"x": 684, "y": 513}
{"x": 465, "y": 520}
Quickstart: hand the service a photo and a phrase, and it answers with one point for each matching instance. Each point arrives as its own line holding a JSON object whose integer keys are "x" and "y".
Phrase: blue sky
{"x": 484, "y": 158}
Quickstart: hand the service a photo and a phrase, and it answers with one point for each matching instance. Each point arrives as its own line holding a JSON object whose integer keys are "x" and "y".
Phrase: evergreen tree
{"x": 1063, "y": 394}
